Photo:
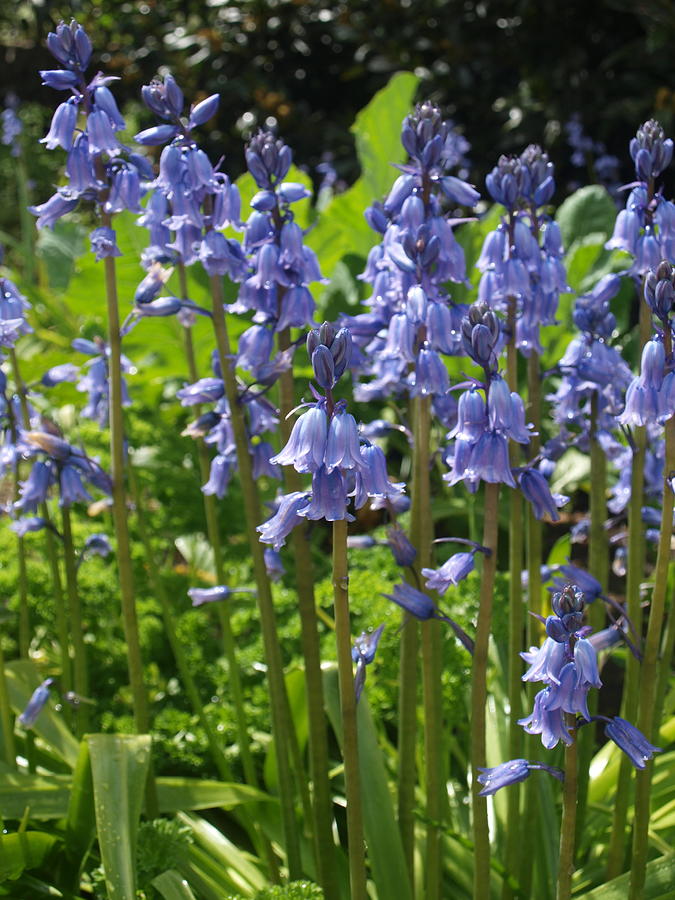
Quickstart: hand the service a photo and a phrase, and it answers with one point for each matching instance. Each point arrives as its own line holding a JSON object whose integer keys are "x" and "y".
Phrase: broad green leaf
{"x": 297, "y": 699}
{"x": 58, "y": 249}
{"x": 22, "y": 678}
{"x": 198, "y": 554}
{"x": 377, "y": 131}
{"x": 24, "y": 850}
{"x": 46, "y": 797}
{"x": 81, "y": 817}
{"x": 658, "y": 883}
{"x": 572, "y": 469}
{"x": 341, "y": 228}
{"x": 119, "y": 765}
{"x": 381, "y": 831}
{"x": 588, "y": 210}
{"x": 213, "y": 855}
{"x": 176, "y": 793}
{"x": 172, "y": 886}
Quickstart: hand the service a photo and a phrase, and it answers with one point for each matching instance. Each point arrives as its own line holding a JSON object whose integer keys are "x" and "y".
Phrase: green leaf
{"x": 658, "y": 883}
{"x": 119, "y": 765}
{"x": 176, "y": 793}
{"x": 341, "y": 228}
{"x": 22, "y": 678}
{"x": 216, "y": 864}
{"x": 81, "y": 817}
{"x": 24, "y": 850}
{"x": 588, "y": 210}
{"x": 385, "y": 851}
{"x": 46, "y": 797}
{"x": 297, "y": 699}
{"x": 377, "y": 131}
{"x": 198, "y": 554}
{"x": 172, "y": 886}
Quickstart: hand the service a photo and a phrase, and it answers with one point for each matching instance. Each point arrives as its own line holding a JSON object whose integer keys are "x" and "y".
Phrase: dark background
{"x": 508, "y": 73}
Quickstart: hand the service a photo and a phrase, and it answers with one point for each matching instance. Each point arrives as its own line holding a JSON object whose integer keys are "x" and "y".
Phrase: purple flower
{"x": 103, "y": 243}
{"x": 629, "y": 739}
{"x": 200, "y": 596}
{"x": 36, "y": 704}
{"x": 452, "y": 571}
{"x": 403, "y": 551}
{"x": 500, "y": 776}
{"x": 329, "y": 497}
{"x": 419, "y": 605}
{"x": 363, "y": 653}
{"x": 277, "y": 528}
{"x": 306, "y": 447}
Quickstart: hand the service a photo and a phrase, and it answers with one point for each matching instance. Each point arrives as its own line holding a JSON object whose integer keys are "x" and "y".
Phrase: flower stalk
{"x": 350, "y": 751}
{"x": 281, "y": 723}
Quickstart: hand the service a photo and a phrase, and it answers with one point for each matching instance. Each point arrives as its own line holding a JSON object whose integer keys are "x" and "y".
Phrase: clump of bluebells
{"x": 413, "y": 320}
{"x": 646, "y": 227}
{"x": 521, "y": 260}
{"x": 100, "y": 169}
{"x": 567, "y": 665}
{"x": 325, "y": 443}
{"x": 488, "y": 416}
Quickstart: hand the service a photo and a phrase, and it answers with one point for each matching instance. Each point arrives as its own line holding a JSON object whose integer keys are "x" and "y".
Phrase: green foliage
{"x": 162, "y": 844}
{"x": 296, "y": 890}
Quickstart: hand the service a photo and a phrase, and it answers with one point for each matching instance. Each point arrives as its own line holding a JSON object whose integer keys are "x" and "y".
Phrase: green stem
{"x": 81, "y": 675}
{"x": 6, "y": 719}
{"x": 120, "y": 515}
{"x": 281, "y": 721}
{"x": 516, "y": 622}
{"x": 350, "y": 750}
{"x": 422, "y": 536}
{"x": 407, "y": 740}
{"x": 223, "y": 611}
{"x": 318, "y": 738}
{"x": 27, "y": 221}
{"x": 569, "y": 813}
{"x": 635, "y": 565}
{"x": 649, "y": 679}
{"x": 481, "y": 834}
{"x": 598, "y": 564}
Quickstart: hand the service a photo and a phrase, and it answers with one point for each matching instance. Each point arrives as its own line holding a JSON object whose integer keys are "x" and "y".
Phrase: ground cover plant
{"x": 303, "y": 493}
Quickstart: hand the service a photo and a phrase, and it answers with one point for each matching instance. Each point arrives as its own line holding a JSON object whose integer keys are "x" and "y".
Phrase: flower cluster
{"x": 521, "y": 261}
{"x": 58, "y": 462}
{"x": 99, "y": 168}
{"x": 412, "y": 319}
{"x": 646, "y": 227}
{"x": 567, "y": 665}
{"x": 325, "y": 442}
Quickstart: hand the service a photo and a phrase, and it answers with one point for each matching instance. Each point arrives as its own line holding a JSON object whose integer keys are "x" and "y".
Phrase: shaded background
{"x": 508, "y": 73}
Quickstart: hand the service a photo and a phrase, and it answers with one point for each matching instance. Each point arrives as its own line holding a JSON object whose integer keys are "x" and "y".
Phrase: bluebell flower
{"x": 273, "y": 564}
{"x": 36, "y": 704}
{"x": 306, "y": 447}
{"x": 200, "y": 596}
{"x": 363, "y": 653}
{"x": 631, "y": 740}
{"x": 329, "y": 497}
{"x": 402, "y": 550}
{"x": 453, "y": 570}
{"x": 27, "y": 524}
{"x": 277, "y": 528}
{"x": 97, "y": 545}
{"x": 512, "y": 772}
{"x": 414, "y": 602}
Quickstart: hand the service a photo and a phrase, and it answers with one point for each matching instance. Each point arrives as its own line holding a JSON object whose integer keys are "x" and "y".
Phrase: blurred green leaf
{"x": 658, "y": 883}
{"x": 22, "y": 678}
{"x": 377, "y": 131}
{"x": 385, "y": 851}
{"x": 172, "y": 886}
{"x": 119, "y": 765}
{"x": 176, "y": 793}
{"x": 588, "y": 210}
{"x": 24, "y": 850}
